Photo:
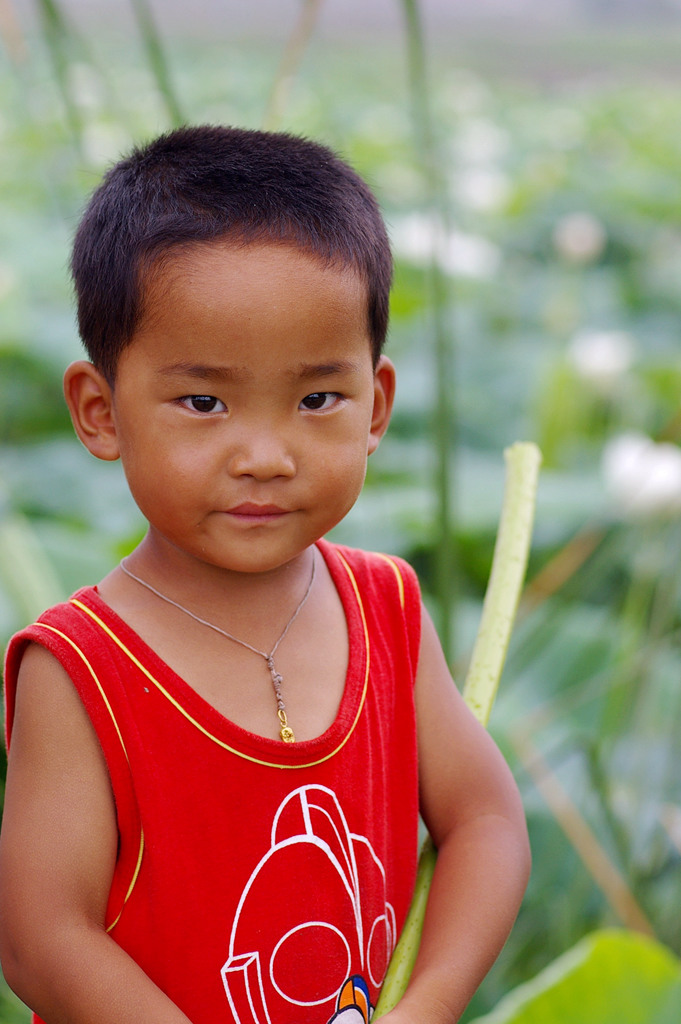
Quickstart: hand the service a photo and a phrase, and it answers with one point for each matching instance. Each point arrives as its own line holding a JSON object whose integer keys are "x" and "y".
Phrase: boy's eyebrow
{"x": 200, "y": 371}
{"x": 302, "y": 372}
{"x": 308, "y": 371}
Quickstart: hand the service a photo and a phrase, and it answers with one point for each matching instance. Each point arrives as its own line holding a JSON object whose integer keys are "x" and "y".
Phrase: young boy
{"x": 218, "y": 755}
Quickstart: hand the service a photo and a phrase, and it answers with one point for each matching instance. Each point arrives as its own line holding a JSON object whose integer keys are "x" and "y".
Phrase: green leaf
{"x": 610, "y": 977}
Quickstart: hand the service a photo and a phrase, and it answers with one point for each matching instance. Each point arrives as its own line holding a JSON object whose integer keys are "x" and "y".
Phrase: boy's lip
{"x": 249, "y": 510}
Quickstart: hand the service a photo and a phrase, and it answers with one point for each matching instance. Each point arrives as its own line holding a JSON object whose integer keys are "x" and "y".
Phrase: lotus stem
{"x": 509, "y": 564}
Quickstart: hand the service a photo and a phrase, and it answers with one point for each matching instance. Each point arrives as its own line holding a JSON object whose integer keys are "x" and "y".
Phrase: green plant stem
{"x": 59, "y": 36}
{"x": 290, "y": 63}
{"x": 404, "y": 956}
{"x": 66, "y": 48}
{"x": 501, "y": 601}
{"x": 157, "y": 60}
{"x": 506, "y": 578}
{"x": 439, "y": 288}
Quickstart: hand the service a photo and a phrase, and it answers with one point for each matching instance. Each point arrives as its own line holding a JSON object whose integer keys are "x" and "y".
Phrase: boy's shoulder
{"x": 63, "y": 626}
{"x": 69, "y": 622}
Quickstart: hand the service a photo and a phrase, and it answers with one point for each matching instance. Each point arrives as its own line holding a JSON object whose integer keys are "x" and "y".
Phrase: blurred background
{"x": 527, "y": 158}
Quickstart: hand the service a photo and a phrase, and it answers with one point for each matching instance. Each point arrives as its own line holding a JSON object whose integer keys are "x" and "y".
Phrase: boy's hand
{"x": 420, "y": 1014}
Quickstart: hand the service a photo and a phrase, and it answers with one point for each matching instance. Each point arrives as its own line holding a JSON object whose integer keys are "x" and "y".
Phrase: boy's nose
{"x": 262, "y": 455}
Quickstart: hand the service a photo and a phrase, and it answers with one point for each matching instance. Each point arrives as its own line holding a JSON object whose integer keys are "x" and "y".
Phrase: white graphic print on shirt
{"x": 328, "y": 924}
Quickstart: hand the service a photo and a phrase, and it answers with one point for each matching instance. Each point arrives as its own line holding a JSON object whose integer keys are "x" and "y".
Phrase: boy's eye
{"x": 203, "y": 403}
{"x": 320, "y": 400}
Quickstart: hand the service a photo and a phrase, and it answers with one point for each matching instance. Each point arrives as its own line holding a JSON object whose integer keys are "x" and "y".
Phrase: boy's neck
{"x": 246, "y": 598}
{"x": 255, "y": 609}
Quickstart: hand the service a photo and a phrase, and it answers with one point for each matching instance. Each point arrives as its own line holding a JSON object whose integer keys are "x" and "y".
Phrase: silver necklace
{"x": 285, "y": 732}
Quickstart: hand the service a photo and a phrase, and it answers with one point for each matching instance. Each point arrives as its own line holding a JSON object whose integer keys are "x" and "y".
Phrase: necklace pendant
{"x": 286, "y": 732}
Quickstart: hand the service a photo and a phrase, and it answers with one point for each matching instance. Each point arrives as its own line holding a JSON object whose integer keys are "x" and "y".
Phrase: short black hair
{"x": 205, "y": 183}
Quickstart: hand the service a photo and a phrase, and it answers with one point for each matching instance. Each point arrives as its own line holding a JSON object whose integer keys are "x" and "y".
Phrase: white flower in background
{"x": 602, "y": 357}
{"x": 413, "y": 237}
{"x": 642, "y": 477}
{"x": 481, "y": 141}
{"x": 482, "y": 188}
{"x": 477, "y": 181}
{"x": 579, "y": 237}
{"x": 458, "y": 253}
{"x": 470, "y": 256}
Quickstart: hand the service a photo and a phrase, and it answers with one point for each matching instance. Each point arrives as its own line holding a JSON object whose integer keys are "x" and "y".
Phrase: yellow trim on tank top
{"x": 206, "y": 732}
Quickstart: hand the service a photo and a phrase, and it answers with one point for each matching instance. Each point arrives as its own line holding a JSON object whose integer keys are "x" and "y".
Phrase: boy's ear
{"x": 384, "y": 393}
{"x": 90, "y": 400}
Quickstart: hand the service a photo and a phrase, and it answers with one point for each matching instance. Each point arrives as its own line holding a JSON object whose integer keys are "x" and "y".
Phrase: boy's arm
{"x": 474, "y": 814}
{"x": 57, "y": 855}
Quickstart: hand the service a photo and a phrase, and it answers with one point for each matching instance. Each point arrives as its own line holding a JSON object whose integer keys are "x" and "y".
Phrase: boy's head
{"x": 202, "y": 184}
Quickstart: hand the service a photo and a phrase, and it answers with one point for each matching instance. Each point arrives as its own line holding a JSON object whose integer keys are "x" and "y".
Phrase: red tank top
{"x": 254, "y": 877}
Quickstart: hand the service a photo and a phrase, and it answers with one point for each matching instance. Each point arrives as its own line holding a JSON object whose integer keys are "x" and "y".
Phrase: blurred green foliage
{"x": 614, "y": 977}
{"x": 561, "y": 259}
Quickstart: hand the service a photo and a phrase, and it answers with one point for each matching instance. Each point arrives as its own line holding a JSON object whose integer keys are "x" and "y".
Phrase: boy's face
{"x": 246, "y": 405}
